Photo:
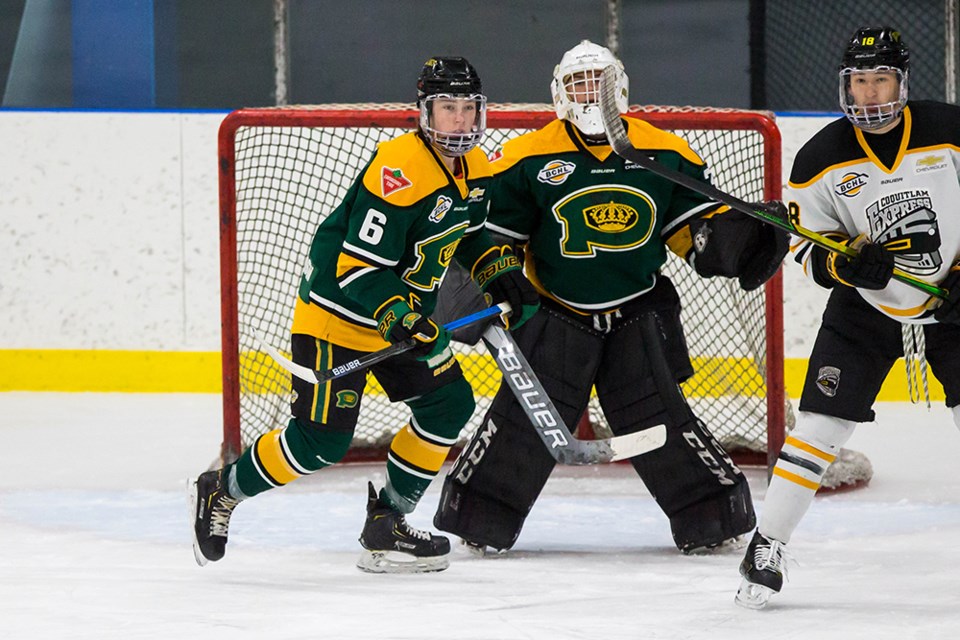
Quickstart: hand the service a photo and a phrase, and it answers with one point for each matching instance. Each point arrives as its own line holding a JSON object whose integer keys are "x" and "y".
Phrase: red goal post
{"x": 281, "y": 170}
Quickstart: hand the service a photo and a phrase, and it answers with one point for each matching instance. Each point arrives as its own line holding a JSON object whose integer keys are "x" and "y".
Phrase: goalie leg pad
{"x": 692, "y": 478}
{"x": 494, "y": 483}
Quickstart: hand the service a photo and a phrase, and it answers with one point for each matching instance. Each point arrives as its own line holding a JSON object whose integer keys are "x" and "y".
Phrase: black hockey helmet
{"x": 872, "y": 47}
{"x": 449, "y": 75}
{"x": 879, "y": 49}
{"x": 450, "y": 78}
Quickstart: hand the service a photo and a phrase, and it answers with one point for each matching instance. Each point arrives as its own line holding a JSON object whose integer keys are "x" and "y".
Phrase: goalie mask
{"x": 877, "y": 50}
{"x": 451, "y": 84}
{"x": 576, "y": 86}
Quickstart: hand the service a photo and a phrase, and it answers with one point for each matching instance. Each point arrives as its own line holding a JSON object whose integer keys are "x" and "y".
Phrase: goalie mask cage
{"x": 283, "y": 169}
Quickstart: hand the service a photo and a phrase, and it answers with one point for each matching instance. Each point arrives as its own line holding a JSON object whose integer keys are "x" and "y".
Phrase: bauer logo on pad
{"x": 392, "y": 180}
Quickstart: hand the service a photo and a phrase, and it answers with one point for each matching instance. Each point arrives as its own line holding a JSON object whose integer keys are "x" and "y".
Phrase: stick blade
{"x": 610, "y": 113}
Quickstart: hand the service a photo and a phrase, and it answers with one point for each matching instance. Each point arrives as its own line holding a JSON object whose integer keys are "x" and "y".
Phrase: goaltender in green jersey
{"x": 594, "y": 230}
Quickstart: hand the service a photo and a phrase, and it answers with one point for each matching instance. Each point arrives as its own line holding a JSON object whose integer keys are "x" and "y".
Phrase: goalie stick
{"x": 617, "y": 136}
{"x": 320, "y": 376}
{"x": 546, "y": 420}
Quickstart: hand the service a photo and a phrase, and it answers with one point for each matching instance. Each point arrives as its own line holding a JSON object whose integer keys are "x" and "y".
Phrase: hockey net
{"x": 283, "y": 169}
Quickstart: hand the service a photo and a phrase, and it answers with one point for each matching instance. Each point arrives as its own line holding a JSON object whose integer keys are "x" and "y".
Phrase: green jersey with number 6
{"x": 596, "y": 227}
{"x": 394, "y": 234}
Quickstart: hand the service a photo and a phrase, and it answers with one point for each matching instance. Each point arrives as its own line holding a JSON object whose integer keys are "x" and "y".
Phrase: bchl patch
{"x": 393, "y": 180}
{"x": 347, "y": 399}
{"x": 556, "y": 172}
{"x": 443, "y": 205}
{"x": 851, "y": 184}
{"x": 828, "y": 380}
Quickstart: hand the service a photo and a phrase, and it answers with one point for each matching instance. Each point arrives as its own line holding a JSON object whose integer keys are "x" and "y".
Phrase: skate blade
{"x": 753, "y": 596}
{"x": 397, "y": 562}
{"x": 192, "y": 505}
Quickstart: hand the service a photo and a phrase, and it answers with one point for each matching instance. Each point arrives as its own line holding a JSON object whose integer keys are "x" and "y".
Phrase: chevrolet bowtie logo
{"x": 930, "y": 161}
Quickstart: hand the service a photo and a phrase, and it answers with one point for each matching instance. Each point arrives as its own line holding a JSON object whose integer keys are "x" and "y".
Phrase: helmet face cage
{"x": 576, "y": 84}
{"x": 876, "y": 116}
{"x": 878, "y": 50}
{"x": 456, "y": 143}
{"x": 450, "y": 78}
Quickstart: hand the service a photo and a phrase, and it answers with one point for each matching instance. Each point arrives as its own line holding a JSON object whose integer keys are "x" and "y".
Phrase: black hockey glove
{"x": 949, "y": 310}
{"x": 872, "y": 268}
{"x": 398, "y": 323}
{"x": 736, "y": 245}
{"x": 500, "y": 277}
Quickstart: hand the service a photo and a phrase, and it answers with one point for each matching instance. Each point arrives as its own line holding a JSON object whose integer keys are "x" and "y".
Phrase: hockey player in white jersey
{"x": 886, "y": 180}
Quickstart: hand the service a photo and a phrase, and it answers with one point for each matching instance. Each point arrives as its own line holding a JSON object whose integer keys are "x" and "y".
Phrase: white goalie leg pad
{"x": 399, "y": 562}
{"x": 804, "y": 458}
{"x": 956, "y": 416}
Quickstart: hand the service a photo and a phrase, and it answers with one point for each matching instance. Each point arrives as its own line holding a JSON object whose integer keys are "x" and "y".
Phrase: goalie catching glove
{"x": 736, "y": 245}
{"x": 500, "y": 277}
{"x": 871, "y": 268}
{"x": 398, "y": 322}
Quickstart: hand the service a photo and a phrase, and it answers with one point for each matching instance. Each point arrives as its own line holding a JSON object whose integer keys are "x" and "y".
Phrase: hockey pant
{"x": 635, "y": 367}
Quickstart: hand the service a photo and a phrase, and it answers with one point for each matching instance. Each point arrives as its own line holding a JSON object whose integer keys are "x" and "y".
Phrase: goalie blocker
{"x": 495, "y": 482}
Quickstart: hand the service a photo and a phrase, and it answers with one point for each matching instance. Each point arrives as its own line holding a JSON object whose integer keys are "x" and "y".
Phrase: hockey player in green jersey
{"x": 375, "y": 265}
{"x": 595, "y": 230}
{"x": 884, "y": 179}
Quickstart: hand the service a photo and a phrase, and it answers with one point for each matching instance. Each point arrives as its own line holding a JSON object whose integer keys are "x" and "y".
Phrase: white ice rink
{"x": 95, "y": 544}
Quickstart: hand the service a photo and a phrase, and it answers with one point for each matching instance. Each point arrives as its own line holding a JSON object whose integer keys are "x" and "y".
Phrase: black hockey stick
{"x": 617, "y": 136}
{"x": 319, "y": 376}
{"x": 538, "y": 406}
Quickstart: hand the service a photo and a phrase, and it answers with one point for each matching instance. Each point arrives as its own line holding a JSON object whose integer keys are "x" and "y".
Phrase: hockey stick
{"x": 617, "y": 136}
{"x": 320, "y": 376}
{"x": 541, "y": 411}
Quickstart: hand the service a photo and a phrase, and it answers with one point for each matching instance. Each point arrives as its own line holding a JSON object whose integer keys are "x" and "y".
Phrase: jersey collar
{"x": 904, "y": 141}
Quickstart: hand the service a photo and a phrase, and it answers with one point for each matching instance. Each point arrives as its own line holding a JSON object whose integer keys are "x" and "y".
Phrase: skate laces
{"x": 413, "y": 531}
{"x": 223, "y": 506}
{"x": 771, "y": 555}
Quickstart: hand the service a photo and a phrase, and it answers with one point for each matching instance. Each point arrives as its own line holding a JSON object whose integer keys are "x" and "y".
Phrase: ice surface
{"x": 95, "y": 540}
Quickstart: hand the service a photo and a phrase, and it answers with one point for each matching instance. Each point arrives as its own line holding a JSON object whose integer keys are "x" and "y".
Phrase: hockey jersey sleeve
{"x": 687, "y": 206}
{"x": 373, "y": 244}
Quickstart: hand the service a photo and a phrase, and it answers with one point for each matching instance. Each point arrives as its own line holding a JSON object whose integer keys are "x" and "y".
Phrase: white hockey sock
{"x": 804, "y": 458}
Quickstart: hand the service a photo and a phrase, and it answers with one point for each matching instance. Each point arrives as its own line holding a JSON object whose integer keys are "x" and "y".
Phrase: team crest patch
{"x": 347, "y": 399}
{"x": 443, "y": 205}
{"x": 850, "y": 185}
{"x": 700, "y": 239}
{"x": 392, "y": 180}
{"x": 828, "y": 380}
{"x": 612, "y": 217}
{"x": 556, "y": 172}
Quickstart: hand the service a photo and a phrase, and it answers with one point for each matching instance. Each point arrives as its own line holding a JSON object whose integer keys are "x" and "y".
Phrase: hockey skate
{"x": 763, "y": 569}
{"x": 393, "y": 546}
{"x": 210, "y": 509}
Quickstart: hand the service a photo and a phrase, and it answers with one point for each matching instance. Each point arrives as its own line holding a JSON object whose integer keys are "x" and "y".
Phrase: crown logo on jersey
{"x": 850, "y": 184}
{"x": 556, "y": 172}
{"x": 446, "y": 253}
{"x": 611, "y": 217}
{"x": 393, "y": 180}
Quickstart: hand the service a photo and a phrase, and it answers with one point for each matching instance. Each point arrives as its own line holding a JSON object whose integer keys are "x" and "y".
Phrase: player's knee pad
{"x": 312, "y": 445}
{"x": 443, "y": 412}
{"x": 822, "y": 431}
